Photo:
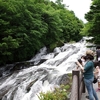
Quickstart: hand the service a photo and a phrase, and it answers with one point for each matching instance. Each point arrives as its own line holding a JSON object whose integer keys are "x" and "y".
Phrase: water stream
{"x": 26, "y": 84}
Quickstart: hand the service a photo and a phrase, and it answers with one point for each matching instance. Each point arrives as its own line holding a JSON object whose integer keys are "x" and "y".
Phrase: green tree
{"x": 93, "y": 17}
{"x": 28, "y": 25}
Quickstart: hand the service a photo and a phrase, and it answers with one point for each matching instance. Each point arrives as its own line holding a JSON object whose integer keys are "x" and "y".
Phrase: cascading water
{"x": 26, "y": 84}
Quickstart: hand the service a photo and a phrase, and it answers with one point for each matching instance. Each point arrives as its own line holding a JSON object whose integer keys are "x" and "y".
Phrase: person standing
{"x": 88, "y": 69}
{"x": 97, "y": 74}
{"x": 98, "y": 53}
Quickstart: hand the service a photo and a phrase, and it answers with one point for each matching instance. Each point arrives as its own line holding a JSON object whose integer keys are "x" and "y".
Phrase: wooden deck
{"x": 85, "y": 94}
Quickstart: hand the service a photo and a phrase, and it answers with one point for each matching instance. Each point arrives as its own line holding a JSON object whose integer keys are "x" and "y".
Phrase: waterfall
{"x": 26, "y": 84}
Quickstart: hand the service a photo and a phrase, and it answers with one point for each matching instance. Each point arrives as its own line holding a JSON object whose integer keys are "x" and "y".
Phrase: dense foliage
{"x": 28, "y": 25}
{"x": 93, "y": 17}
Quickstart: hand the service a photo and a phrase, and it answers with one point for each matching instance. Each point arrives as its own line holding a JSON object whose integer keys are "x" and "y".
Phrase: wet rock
{"x": 64, "y": 79}
{"x": 3, "y": 91}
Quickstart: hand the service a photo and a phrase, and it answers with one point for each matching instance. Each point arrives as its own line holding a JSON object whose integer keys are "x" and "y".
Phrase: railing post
{"x": 78, "y": 86}
{"x": 77, "y": 73}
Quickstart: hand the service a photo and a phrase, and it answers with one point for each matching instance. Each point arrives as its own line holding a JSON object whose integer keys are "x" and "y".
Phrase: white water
{"x": 27, "y": 83}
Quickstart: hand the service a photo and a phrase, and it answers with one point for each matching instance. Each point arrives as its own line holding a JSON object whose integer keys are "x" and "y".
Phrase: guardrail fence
{"x": 78, "y": 86}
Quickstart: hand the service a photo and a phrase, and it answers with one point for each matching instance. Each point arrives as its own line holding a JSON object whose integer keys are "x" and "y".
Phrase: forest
{"x": 28, "y": 25}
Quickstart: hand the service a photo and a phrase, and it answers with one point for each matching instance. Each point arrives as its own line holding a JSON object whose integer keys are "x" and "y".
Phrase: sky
{"x": 80, "y": 7}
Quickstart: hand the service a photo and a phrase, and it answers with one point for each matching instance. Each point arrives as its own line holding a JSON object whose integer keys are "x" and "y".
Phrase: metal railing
{"x": 78, "y": 86}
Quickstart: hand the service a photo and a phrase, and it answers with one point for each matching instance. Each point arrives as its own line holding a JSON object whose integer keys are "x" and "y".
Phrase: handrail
{"x": 78, "y": 86}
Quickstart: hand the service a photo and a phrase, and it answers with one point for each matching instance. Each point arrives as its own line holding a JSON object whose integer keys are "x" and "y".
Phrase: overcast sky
{"x": 80, "y": 7}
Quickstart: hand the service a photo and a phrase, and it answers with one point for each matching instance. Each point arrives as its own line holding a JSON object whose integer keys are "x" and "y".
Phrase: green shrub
{"x": 59, "y": 93}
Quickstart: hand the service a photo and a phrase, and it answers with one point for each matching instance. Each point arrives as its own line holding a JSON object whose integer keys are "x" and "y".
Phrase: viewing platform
{"x": 85, "y": 94}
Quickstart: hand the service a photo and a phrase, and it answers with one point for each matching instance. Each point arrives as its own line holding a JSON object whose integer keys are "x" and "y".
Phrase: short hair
{"x": 98, "y": 47}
